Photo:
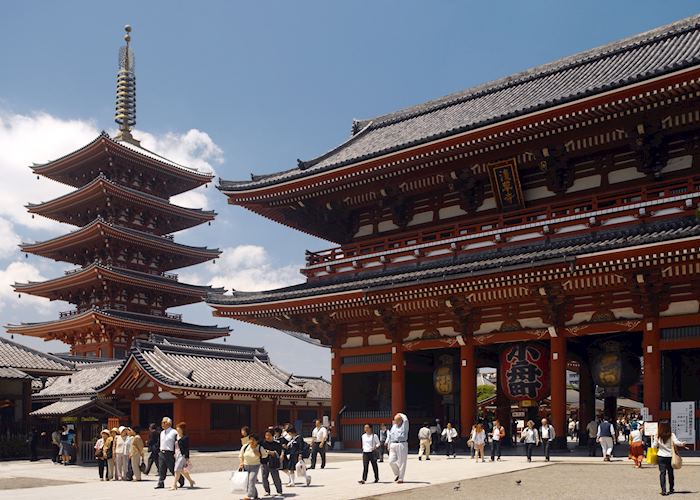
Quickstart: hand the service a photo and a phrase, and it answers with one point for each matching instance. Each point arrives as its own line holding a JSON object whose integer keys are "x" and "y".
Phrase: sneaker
{"x": 376, "y": 479}
{"x": 428, "y": 458}
{"x": 420, "y": 458}
{"x": 361, "y": 481}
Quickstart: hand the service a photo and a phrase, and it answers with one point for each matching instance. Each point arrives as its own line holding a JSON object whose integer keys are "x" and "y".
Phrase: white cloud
{"x": 194, "y": 149}
{"x": 246, "y": 268}
{"x": 21, "y": 272}
{"x": 37, "y": 138}
{"x": 9, "y": 239}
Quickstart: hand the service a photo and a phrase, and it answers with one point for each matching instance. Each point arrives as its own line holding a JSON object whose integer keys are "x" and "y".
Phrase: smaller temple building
{"x": 215, "y": 388}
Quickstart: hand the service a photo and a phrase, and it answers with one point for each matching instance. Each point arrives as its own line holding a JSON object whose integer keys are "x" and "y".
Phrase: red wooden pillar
{"x": 336, "y": 387}
{"x": 398, "y": 379}
{"x": 558, "y": 388}
{"x": 467, "y": 391}
{"x": 652, "y": 366}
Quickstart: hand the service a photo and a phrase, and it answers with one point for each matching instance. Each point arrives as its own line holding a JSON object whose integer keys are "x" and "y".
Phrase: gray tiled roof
{"x": 318, "y": 387}
{"x": 213, "y": 367}
{"x": 81, "y": 383}
{"x": 29, "y": 360}
{"x": 70, "y": 406}
{"x": 474, "y": 264}
{"x": 638, "y": 58}
{"x": 9, "y": 372}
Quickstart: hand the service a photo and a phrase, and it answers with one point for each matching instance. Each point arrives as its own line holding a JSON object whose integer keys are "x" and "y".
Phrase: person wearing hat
{"x": 101, "y": 453}
{"x": 120, "y": 456}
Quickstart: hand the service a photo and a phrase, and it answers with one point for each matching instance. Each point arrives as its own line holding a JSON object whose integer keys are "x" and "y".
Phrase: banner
{"x": 683, "y": 420}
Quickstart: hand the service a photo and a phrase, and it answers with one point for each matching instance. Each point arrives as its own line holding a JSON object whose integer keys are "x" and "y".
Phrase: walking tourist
{"x": 479, "y": 441}
{"x": 136, "y": 452}
{"x": 250, "y": 455}
{"x": 514, "y": 432}
{"x": 153, "y": 444}
{"x": 120, "y": 455}
{"x": 382, "y": 442}
{"x": 498, "y": 433}
{"x": 296, "y": 449}
{"x": 319, "y": 436}
{"x": 636, "y": 441}
{"x": 397, "y": 440}
{"x": 271, "y": 464}
{"x": 166, "y": 455}
{"x": 424, "y": 440}
{"x": 435, "y": 433}
{"x": 592, "y": 433}
{"x": 606, "y": 438}
{"x": 182, "y": 456}
{"x": 547, "y": 435}
{"x": 666, "y": 443}
{"x": 470, "y": 442}
{"x": 111, "y": 462}
{"x": 65, "y": 447}
{"x": 56, "y": 444}
{"x": 530, "y": 437}
{"x": 450, "y": 435}
{"x": 370, "y": 447}
{"x": 101, "y": 454}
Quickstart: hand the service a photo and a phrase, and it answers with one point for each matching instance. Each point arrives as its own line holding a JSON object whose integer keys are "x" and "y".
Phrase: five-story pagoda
{"x": 123, "y": 243}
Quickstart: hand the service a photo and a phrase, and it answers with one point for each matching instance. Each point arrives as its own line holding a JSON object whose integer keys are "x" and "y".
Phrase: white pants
{"x": 424, "y": 450}
{"x": 606, "y": 443}
{"x": 398, "y": 455}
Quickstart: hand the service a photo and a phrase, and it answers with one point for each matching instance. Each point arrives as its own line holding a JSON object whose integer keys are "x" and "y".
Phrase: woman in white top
{"x": 370, "y": 445}
{"x": 449, "y": 435}
{"x": 479, "y": 441}
{"x": 665, "y": 441}
{"x": 637, "y": 448}
{"x": 530, "y": 437}
{"x": 120, "y": 456}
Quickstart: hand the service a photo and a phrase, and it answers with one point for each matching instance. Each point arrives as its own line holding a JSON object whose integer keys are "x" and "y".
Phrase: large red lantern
{"x": 524, "y": 372}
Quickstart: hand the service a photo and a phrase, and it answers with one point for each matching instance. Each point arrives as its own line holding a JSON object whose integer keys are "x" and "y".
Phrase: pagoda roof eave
{"x": 625, "y": 63}
{"x": 562, "y": 252}
{"x": 102, "y": 144}
{"x": 100, "y": 186}
{"x": 140, "y": 237}
{"x": 121, "y": 319}
{"x": 97, "y": 272}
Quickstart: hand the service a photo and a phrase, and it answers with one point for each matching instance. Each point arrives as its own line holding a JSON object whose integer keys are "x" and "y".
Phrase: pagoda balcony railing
{"x": 68, "y": 314}
{"x": 602, "y": 212}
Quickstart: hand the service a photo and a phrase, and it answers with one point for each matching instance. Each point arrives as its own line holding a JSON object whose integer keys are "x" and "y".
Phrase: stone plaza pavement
{"x": 337, "y": 481}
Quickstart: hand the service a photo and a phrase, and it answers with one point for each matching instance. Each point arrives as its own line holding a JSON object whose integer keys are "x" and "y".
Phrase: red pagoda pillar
{"x": 558, "y": 388}
{"x": 398, "y": 379}
{"x": 336, "y": 388}
{"x": 467, "y": 392}
{"x": 652, "y": 366}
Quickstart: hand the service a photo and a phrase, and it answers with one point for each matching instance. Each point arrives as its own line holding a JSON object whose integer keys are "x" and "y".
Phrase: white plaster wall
{"x": 386, "y": 225}
{"x": 625, "y": 313}
{"x": 353, "y": 342}
{"x": 421, "y": 218}
{"x": 364, "y": 230}
{"x": 584, "y": 183}
{"x": 684, "y": 307}
{"x": 378, "y": 339}
{"x": 624, "y": 174}
{"x": 453, "y": 211}
{"x": 492, "y": 326}
{"x": 679, "y": 163}
{"x": 537, "y": 193}
{"x": 488, "y": 204}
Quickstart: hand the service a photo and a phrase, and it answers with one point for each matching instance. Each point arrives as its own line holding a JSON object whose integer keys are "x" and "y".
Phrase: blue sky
{"x": 247, "y": 87}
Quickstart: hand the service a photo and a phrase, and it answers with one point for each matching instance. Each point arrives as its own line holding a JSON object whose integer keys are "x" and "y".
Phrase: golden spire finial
{"x": 125, "y": 115}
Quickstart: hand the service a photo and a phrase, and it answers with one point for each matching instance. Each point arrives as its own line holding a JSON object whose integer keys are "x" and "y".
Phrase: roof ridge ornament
{"x": 125, "y": 115}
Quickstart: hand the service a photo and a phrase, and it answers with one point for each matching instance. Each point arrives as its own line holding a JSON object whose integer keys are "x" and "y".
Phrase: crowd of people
{"x": 122, "y": 454}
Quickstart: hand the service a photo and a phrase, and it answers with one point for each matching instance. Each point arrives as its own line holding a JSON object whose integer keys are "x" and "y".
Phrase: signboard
{"x": 525, "y": 373}
{"x": 683, "y": 420}
{"x": 505, "y": 183}
{"x": 651, "y": 428}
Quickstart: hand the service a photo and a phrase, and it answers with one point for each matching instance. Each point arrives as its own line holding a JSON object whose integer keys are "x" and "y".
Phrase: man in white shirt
{"x": 397, "y": 440}
{"x": 497, "y": 434}
{"x": 592, "y": 433}
{"x": 547, "y": 435}
{"x": 166, "y": 457}
{"x": 319, "y": 436}
{"x": 370, "y": 445}
{"x": 425, "y": 439}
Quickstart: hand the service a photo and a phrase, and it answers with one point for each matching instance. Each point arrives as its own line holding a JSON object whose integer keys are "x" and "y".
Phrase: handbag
{"x": 239, "y": 481}
{"x": 652, "y": 456}
{"x": 676, "y": 460}
{"x": 142, "y": 466}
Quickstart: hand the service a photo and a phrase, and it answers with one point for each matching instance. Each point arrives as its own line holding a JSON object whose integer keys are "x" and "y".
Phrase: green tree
{"x": 484, "y": 392}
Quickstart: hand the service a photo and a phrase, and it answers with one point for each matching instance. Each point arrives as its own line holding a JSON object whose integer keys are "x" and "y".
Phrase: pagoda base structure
{"x": 540, "y": 225}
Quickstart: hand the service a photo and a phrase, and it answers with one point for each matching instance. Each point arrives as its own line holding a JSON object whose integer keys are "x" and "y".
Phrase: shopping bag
{"x": 676, "y": 460}
{"x": 239, "y": 481}
{"x": 652, "y": 456}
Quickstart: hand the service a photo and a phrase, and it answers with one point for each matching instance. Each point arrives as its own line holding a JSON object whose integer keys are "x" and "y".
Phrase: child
{"x": 294, "y": 461}
{"x": 370, "y": 445}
